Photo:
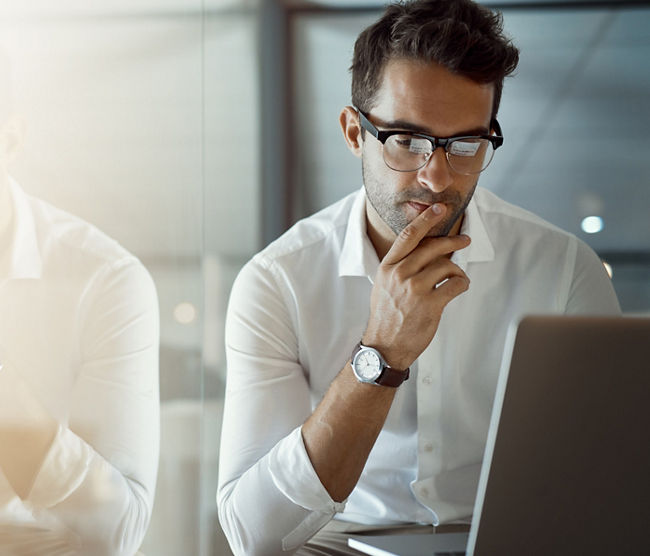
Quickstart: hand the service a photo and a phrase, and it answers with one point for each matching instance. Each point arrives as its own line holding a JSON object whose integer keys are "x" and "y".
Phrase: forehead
{"x": 428, "y": 95}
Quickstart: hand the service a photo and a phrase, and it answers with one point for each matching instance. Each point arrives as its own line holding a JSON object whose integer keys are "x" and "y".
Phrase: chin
{"x": 443, "y": 228}
{"x": 439, "y": 232}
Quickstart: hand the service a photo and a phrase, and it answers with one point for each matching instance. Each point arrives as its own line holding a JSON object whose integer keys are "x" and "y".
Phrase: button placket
{"x": 429, "y": 401}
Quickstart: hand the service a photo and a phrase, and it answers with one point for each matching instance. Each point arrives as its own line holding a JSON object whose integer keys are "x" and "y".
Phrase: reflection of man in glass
{"x": 79, "y": 407}
{"x": 323, "y": 436}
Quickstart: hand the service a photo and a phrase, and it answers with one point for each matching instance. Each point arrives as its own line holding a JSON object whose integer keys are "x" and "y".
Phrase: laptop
{"x": 566, "y": 469}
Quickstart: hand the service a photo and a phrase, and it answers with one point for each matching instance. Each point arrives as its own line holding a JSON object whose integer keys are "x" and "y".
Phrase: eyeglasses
{"x": 406, "y": 151}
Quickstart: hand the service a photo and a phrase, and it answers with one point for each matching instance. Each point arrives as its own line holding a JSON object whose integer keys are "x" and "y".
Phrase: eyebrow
{"x": 408, "y": 126}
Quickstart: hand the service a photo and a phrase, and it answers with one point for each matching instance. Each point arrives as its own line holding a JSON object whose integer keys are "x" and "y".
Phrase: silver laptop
{"x": 566, "y": 469}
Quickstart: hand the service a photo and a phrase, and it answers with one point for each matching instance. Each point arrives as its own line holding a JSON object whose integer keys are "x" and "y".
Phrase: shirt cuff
{"x": 294, "y": 476}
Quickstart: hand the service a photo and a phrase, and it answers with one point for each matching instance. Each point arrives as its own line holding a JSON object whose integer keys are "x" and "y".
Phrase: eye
{"x": 402, "y": 141}
{"x": 412, "y": 145}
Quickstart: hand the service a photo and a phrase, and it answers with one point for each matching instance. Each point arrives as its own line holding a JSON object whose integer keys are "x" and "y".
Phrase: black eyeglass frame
{"x": 382, "y": 136}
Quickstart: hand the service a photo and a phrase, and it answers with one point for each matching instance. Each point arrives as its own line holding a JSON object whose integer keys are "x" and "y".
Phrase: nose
{"x": 436, "y": 174}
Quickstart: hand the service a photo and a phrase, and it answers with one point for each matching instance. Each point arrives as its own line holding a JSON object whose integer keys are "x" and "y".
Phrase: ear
{"x": 349, "y": 120}
{"x": 12, "y": 135}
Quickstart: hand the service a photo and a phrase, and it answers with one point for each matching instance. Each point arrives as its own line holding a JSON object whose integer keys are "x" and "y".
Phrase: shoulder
{"x": 306, "y": 256}
{"x": 535, "y": 243}
{"x": 515, "y": 226}
{"x": 314, "y": 239}
{"x": 61, "y": 233}
{"x": 89, "y": 258}
{"x": 530, "y": 250}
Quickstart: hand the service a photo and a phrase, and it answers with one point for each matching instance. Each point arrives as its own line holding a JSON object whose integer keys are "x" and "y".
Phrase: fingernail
{"x": 437, "y": 208}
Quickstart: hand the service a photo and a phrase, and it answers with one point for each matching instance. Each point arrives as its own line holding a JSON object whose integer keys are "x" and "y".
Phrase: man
{"x": 79, "y": 408}
{"x": 306, "y": 438}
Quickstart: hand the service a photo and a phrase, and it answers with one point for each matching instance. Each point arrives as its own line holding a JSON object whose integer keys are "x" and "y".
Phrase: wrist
{"x": 369, "y": 366}
{"x": 394, "y": 358}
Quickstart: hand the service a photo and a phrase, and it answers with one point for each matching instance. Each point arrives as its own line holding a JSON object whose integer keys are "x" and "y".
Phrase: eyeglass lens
{"x": 406, "y": 153}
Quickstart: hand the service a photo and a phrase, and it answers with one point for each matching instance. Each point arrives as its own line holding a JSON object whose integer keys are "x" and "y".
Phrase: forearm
{"x": 341, "y": 432}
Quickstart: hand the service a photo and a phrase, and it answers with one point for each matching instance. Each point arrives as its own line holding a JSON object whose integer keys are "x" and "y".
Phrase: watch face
{"x": 367, "y": 365}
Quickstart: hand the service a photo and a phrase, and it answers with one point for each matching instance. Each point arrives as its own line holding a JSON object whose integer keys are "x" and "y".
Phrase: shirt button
{"x": 424, "y": 491}
{"x": 428, "y": 447}
{"x": 426, "y": 379}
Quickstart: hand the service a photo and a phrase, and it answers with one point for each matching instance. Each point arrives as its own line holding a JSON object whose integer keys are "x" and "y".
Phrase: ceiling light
{"x": 592, "y": 224}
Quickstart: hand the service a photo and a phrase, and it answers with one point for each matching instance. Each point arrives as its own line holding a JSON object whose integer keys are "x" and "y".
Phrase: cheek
{"x": 372, "y": 157}
{"x": 375, "y": 168}
{"x": 467, "y": 185}
{"x": 385, "y": 182}
{"x": 388, "y": 182}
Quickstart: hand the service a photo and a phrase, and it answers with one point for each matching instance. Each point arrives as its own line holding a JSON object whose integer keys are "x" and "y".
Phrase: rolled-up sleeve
{"x": 269, "y": 497}
{"x": 94, "y": 489}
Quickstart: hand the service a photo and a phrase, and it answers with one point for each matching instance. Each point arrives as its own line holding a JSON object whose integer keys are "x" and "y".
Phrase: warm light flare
{"x": 185, "y": 313}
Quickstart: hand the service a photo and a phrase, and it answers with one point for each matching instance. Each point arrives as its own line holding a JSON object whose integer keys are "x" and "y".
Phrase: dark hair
{"x": 460, "y": 35}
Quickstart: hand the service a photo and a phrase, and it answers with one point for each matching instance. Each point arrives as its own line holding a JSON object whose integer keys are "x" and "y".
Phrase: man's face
{"x": 426, "y": 98}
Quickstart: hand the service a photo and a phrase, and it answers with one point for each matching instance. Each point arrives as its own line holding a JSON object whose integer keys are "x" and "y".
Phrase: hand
{"x": 408, "y": 295}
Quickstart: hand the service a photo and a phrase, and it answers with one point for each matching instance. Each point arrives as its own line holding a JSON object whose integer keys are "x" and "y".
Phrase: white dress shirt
{"x": 79, "y": 342}
{"x": 296, "y": 311}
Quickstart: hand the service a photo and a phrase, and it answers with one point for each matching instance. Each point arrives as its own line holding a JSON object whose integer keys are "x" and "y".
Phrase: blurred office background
{"x": 196, "y": 131}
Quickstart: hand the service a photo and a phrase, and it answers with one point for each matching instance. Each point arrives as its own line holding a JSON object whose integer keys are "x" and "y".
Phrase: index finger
{"x": 409, "y": 238}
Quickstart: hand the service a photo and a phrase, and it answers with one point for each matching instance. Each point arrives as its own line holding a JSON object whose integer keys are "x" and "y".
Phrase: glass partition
{"x": 140, "y": 119}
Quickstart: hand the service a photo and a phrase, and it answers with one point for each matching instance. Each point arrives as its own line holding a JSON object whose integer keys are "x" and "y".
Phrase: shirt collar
{"x": 359, "y": 258}
{"x": 23, "y": 257}
{"x": 481, "y": 248}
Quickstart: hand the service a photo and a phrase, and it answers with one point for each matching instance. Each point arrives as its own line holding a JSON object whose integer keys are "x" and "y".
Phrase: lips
{"x": 419, "y": 207}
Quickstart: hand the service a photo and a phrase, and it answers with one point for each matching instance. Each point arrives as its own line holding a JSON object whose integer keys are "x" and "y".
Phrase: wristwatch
{"x": 369, "y": 366}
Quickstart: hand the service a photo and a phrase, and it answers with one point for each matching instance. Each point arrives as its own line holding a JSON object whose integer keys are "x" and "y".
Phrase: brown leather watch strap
{"x": 392, "y": 377}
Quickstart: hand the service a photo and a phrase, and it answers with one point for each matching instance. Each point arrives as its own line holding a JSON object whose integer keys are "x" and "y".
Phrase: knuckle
{"x": 409, "y": 232}
{"x": 461, "y": 283}
{"x": 454, "y": 286}
{"x": 451, "y": 269}
{"x": 451, "y": 266}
